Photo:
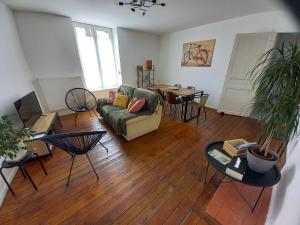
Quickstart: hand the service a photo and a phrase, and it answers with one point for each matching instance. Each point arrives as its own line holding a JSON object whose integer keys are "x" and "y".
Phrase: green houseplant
{"x": 11, "y": 146}
{"x": 276, "y": 79}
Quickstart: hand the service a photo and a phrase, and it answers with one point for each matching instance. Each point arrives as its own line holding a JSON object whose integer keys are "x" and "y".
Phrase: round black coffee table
{"x": 250, "y": 177}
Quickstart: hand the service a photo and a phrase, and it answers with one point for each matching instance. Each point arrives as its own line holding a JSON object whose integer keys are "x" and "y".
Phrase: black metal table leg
{"x": 186, "y": 99}
{"x": 42, "y": 165}
{"x": 22, "y": 172}
{"x": 245, "y": 200}
{"x": 29, "y": 177}
{"x": 206, "y": 172}
{"x": 9, "y": 187}
{"x": 49, "y": 150}
{"x": 260, "y": 194}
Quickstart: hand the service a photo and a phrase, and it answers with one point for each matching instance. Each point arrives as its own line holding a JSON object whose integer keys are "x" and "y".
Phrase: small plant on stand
{"x": 12, "y": 147}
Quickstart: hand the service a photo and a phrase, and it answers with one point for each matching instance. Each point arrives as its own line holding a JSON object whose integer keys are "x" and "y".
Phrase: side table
{"x": 250, "y": 177}
{"x": 21, "y": 164}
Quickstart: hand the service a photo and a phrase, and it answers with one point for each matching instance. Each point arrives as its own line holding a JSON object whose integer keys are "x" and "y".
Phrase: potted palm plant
{"x": 12, "y": 148}
{"x": 276, "y": 79}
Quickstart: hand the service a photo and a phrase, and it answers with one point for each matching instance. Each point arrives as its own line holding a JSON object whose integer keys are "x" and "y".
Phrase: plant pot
{"x": 259, "y": 163}
{"x": 19, "y": 155}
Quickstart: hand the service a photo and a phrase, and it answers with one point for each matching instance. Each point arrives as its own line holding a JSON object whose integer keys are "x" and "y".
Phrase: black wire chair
{"x": 80, "y": 100}
{"x": 76, "y": 144}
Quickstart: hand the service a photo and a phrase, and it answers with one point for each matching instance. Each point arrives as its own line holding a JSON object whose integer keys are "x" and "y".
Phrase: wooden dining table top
{"x": 175, "y": 90}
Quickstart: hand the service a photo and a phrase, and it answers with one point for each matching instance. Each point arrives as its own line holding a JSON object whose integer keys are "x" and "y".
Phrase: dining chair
{"x": 199, "y": 103}
{"x": 178, "y": 85}
{"x": 175, "y": 101}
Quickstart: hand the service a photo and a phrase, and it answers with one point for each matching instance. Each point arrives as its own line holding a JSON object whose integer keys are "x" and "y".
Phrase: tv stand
{"x": 44, "y": 125}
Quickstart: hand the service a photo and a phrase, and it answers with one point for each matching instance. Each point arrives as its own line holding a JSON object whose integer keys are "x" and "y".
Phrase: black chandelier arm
{"x": 142, "y": 5}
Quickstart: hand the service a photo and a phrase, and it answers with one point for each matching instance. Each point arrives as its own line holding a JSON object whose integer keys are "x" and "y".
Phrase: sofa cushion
{"x": 121, "y": 101}
{"x": 116, "y": 117}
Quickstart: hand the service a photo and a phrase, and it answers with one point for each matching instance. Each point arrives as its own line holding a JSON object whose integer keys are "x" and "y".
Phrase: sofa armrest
{"x": 100, "y": 103}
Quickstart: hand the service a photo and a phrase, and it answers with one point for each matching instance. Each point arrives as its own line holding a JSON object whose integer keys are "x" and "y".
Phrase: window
{"x": 96, "y": 50}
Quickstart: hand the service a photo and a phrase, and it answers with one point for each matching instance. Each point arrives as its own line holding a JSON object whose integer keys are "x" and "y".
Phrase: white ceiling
{"x": 177, "y": 15}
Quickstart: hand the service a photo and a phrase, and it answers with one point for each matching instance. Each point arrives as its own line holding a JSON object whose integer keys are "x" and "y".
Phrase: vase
{"x": 261, "y": 164}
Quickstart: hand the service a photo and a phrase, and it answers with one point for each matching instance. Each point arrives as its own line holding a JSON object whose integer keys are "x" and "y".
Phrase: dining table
{"x": 185, "y": 94}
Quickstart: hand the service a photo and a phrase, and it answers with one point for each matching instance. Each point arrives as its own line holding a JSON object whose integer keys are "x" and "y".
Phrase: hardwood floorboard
{"x": 154, "y": 179}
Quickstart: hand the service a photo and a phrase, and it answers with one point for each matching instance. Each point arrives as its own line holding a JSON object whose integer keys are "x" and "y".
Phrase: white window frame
{"x": 94, "y": 29}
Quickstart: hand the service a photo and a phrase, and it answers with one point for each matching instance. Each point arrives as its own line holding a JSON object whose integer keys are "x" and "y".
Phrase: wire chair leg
{"x": 198, "y": 114}
{"x": 103, "y": 146}
{"x": 73, "y": 158}
{"x": 92, "y": 165}
{"x": 76, "y": 115}
{"x": 96, "y": 115}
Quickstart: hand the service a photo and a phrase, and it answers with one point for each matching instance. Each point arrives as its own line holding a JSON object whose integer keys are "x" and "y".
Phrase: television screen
{"x": 29, "y": 109}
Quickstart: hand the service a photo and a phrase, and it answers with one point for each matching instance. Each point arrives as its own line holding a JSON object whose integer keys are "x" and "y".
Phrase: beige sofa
{"x": 133, "y": 125}
{"x": 141, "y": 125}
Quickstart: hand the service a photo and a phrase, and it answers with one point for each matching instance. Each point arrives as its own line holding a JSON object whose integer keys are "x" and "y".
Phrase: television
{"x": 28, "y": 109}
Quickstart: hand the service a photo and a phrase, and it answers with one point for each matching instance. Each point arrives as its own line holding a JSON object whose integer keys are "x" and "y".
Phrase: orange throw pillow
{"x": 131, "y": 103}
{"x": 137, "y": 106}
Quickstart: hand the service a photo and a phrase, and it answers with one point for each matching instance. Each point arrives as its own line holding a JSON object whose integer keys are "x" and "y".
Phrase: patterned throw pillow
{"x": 137, "y": 106}
{"x": 131, "y": 103}
{"x": 121, "y": 101}
{"x": 111, "y": 97}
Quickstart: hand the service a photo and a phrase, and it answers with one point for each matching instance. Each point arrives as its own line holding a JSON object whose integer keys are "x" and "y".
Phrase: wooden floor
{"x": 155, "y": 179}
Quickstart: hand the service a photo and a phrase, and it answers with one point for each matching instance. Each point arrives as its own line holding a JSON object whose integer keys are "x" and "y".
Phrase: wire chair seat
{"x": 76, "y": 144}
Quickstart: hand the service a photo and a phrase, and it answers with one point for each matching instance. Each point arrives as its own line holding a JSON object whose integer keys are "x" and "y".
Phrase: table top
{"x": 43, "y": 124}
{"x": 28, "y": 157}
{"x": 250, "y": 177}
{"x": 175, "y": 90}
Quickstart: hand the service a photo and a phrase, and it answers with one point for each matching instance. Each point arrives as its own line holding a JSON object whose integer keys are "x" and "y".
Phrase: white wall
{"x": 284, "y": 206}
{"x": 51, "y": 51}
{"x": 14, "y": 73}
{"x": 211, "y": 79}
{"x": 135, "y": 48}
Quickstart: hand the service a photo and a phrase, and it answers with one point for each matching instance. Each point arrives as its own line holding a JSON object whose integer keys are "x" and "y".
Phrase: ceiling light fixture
{"x": 141, "y": 5}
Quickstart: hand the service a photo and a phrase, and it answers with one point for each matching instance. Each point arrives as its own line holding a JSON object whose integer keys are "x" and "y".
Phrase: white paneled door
{"x": 237, "y": 91}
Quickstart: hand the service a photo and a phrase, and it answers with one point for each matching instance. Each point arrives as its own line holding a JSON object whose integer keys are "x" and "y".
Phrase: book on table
{"x": 219, "y": 156}
{"x": 236, "y": 168}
